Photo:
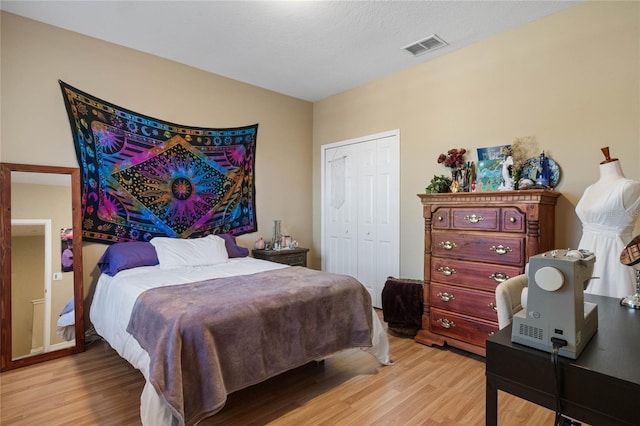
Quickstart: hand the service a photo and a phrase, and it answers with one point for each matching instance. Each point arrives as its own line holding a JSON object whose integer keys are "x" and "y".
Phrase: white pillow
{"x": 177, "y": 252}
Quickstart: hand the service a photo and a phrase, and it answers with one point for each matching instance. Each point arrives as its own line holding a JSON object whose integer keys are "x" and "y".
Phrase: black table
{"x": 601, "y": 387}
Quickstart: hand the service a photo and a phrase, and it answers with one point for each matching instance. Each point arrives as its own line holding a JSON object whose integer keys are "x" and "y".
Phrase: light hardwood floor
{"x": 425, "y": 386}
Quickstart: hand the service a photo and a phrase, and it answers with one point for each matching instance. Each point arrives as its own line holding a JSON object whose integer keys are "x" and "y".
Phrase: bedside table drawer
{"x": 292, "y": 257}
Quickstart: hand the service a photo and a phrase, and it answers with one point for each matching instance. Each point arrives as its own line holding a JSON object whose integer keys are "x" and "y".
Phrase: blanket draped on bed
{"x": 208, "y": 339}
{"x": 144, "y": 178}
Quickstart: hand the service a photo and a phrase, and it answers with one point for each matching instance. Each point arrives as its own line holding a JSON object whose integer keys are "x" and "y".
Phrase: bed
{"x": 200, "y": 320}
{"x": 66, "y": 325}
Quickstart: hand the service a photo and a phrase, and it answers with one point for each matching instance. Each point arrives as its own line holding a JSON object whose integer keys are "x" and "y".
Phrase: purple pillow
{"x": 121, "y": 256}
{"x": 233, "y": 249}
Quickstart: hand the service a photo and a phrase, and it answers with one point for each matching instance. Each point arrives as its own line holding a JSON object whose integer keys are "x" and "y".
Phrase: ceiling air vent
{"x": 430, "y": 43}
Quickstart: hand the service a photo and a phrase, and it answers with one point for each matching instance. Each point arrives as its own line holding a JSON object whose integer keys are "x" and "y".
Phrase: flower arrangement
{"x": 461, "y": 171}
{"x": 453, "y": 159}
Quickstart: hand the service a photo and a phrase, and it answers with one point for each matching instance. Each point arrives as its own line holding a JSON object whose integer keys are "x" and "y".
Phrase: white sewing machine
{"x": 555, "y": 307}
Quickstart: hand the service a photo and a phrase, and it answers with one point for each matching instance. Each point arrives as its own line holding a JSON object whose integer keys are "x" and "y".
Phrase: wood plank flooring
{"x": 425, "y": 386}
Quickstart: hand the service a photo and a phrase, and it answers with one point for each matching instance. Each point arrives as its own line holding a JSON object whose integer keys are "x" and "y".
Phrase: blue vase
{"x": 543, "y": 174}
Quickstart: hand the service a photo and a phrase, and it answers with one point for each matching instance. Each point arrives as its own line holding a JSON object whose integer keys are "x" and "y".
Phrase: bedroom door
{"x": 361, "y": 210}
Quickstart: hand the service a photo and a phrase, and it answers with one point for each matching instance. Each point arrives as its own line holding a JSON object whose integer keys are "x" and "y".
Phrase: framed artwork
{"x": 66, "y": 255}
{"x": 489, "y": 170}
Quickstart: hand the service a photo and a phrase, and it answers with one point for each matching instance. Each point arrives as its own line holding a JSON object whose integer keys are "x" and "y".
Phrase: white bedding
{"x": 66, "y": 326}
{"x": 115, "y": 297}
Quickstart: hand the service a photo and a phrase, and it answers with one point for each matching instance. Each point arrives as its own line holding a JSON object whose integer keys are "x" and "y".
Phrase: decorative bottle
{"x": 276, "y": 235}
{"x": 542, "y": 177}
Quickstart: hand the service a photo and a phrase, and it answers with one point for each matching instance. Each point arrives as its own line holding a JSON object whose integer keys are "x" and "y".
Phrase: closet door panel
{"x": 367, "y": 253}
{"x": 341, "y": 213}
{"x": 387, "y": 210}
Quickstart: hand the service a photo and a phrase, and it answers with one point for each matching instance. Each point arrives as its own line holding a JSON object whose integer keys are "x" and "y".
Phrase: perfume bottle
{"x": 542, "y": 177}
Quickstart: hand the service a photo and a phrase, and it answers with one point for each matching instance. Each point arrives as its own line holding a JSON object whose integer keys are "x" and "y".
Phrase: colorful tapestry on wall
{"x": 143, "y": 177}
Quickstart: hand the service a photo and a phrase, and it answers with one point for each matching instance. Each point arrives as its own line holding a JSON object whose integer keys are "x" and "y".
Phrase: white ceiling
{"x": 305, "y": 49}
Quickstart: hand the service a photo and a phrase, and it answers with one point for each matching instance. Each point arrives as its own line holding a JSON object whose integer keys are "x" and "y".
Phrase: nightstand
{"x": 293, "y": 257}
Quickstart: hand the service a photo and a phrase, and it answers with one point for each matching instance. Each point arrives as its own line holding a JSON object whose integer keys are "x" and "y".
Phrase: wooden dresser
{"x": 472, "y": 242}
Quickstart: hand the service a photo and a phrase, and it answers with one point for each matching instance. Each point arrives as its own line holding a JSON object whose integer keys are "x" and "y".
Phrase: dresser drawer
{"x": 513, "y": 220}
{"x": 462, "y": 327}
{"x": 464, "y": 300}
{"x": 498, "y": 250}
{"x": 476, "y": 219}
{"x": 441, "y": 218}
{"x": 481, "y": 276}
{"x": 505, "y": 219}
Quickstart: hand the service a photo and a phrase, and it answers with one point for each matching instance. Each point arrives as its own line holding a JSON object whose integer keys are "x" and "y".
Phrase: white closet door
{"x": 367, "y": 218}
{"x": 361, "y": 235}
{"x": 387, "y": 190}
{"x": 340, "y": 212}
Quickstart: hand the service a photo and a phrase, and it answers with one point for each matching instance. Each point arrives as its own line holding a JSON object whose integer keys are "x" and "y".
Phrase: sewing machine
{"x": 555, "y": 311}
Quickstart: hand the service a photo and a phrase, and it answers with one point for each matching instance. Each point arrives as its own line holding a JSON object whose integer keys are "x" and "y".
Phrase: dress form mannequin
{"x": 608, "y": 210}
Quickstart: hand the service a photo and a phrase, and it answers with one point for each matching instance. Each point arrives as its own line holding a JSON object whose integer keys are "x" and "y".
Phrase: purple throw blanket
{"x": 208, "y": 339}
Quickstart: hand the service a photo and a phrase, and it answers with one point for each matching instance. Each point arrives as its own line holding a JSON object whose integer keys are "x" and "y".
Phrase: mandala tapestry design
{"x": 143, "y": 177}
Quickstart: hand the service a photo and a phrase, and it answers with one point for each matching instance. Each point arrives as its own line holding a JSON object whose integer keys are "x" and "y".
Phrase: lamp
{"x": 630, "y": 256}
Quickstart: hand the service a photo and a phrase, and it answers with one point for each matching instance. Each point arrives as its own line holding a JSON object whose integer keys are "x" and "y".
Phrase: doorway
{"x": 30, "y": 286}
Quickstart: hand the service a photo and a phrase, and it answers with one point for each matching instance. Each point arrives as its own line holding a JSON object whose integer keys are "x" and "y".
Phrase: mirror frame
{"x": 6, "y": 361}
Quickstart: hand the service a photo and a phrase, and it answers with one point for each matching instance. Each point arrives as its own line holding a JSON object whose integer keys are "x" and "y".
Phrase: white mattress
{"x": 115, "y": 297}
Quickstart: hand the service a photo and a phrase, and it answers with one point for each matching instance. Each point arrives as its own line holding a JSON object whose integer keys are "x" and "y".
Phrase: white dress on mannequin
{"x": 608, "y": 210}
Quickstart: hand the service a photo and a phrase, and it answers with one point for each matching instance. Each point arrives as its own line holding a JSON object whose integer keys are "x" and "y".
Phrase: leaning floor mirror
{"x": 41, "y": 291}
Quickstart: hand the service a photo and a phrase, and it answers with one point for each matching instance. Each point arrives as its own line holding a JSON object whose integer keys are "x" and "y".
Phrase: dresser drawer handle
{"x": 499, "y": 277}
{"x": 500, "y": 249}
{"x": 440, "y": 218}
{"x": 447, "y": 245}
{"x": 446, "y": 297}
{"x": 512, "y": 219}
{"x": 473, "y": 218}
{"x": 493, "y": 306}
{"x": 446, "y": 271}
{"x": 445, "y": 323}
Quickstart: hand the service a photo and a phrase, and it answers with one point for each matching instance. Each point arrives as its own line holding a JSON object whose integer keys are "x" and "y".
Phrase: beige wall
{"x": 35, "y": 128}
{"x": 571, "y": 80}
